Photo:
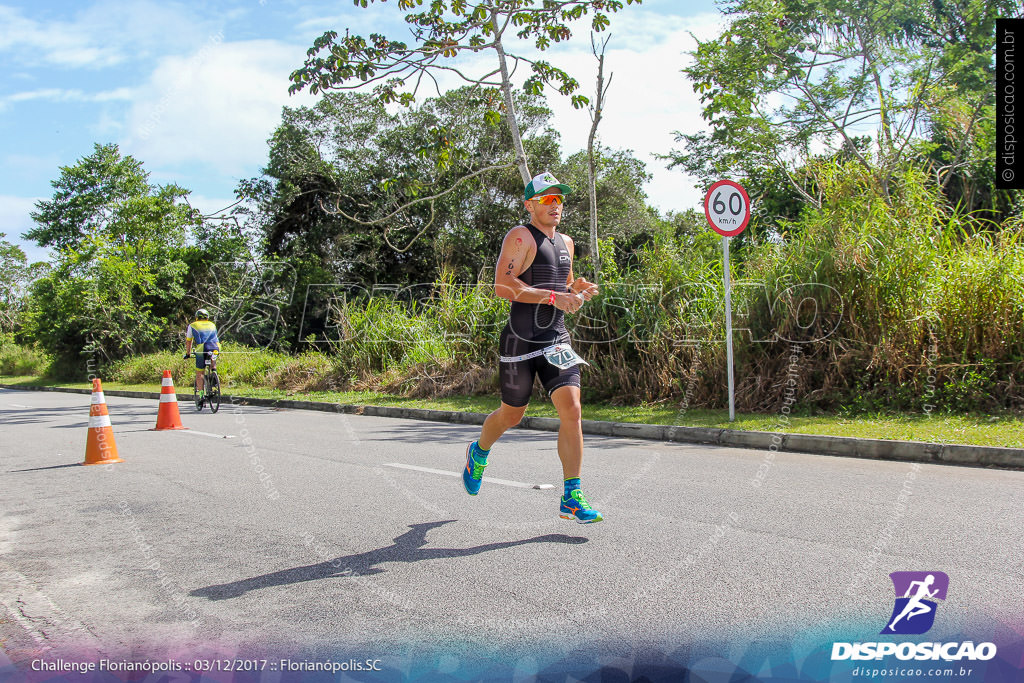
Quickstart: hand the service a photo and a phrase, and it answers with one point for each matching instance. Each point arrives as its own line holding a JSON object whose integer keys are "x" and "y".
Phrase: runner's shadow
{"x": 407, "y": 548}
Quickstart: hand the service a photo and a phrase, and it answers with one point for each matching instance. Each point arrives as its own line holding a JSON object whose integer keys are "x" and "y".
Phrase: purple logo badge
{"x": 914, "y": 611}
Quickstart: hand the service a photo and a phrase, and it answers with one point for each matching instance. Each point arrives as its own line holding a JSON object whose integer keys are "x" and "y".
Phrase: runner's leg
{"x": 573, "y": 504}
{"x": 498, "y": 422}
{"x": 516, "y": 381}
{"x": 906, "y": 610}
{"x": 570, "y": 429}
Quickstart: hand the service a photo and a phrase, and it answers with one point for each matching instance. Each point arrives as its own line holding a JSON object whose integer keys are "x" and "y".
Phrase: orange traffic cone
{"x": 168, "y": 417}
{"x": 100, "y": 448}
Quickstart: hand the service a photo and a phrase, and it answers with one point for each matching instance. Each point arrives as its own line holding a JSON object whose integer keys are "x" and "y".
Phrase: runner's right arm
{"x": 517, "y": 253}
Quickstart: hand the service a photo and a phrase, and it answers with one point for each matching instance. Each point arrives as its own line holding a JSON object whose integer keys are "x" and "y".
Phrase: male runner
{"x": 534, "y": 272}
{"x": 203, "y": 333}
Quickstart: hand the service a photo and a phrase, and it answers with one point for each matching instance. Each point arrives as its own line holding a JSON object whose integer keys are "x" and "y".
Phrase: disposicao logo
{"x": 914, "y": 614}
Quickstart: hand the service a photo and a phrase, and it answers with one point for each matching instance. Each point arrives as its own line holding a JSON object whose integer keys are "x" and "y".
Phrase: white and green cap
{"x": 544, "y": 181}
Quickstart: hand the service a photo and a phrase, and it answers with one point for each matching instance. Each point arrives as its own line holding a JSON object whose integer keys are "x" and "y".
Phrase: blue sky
{"x": 194, "y": 89}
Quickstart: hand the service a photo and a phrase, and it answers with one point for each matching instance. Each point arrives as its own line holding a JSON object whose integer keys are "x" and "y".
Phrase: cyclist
{"x": 203, "y": 334}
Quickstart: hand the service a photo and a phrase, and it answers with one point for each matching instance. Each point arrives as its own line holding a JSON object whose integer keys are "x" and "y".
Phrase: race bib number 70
{"x": 562, "y": 356}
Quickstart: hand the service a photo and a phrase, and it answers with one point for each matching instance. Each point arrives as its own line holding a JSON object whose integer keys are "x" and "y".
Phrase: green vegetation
{"x": 882, "y": 273}
{"x": 121, "y": 269}
{"x": 15, "y": 275}
{"x": 16, "y": 359}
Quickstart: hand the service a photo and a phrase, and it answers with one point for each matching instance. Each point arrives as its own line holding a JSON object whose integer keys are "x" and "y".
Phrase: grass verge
{"x": 979, "y": 430}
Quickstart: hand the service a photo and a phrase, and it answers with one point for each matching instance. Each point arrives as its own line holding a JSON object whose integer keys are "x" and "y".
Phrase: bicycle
{"x": 211, "y": 384}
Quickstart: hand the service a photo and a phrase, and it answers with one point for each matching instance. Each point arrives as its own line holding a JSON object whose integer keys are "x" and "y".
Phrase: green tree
{"x": 622, "y": 210}
{"x": 442, "y": 33}
{"x": 332, "y": 169}
{"x": 859, "y": 80}
{"x": 16, "y": 274}
{"x": 333, "y": 166}
{"x": 116, "y": 283}
{"x": 346, "y": 161}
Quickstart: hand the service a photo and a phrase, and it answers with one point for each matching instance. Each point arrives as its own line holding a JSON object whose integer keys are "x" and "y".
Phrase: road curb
{"x": 844, "y": 446}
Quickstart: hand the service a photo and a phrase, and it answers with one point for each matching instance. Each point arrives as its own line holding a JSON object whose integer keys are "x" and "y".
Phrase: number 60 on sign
{"x": 727, "y": 208}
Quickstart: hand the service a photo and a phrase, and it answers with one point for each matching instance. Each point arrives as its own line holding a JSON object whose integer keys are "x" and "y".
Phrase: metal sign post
{"x": 728, "y": 330}
{"x": 727, "y": 208}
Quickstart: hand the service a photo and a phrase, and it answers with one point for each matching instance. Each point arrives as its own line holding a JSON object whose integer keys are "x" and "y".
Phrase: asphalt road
{"x": 264, "y": 530}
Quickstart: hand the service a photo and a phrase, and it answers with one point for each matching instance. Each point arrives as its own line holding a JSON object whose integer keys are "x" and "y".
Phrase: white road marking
{"x": 492, "y": 480}
{"x": 215, "y": 436}
{"x": 19, "y": 405}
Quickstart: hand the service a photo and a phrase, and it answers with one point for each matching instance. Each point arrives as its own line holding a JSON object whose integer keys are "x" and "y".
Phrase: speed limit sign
{"x": 727, "y": 208}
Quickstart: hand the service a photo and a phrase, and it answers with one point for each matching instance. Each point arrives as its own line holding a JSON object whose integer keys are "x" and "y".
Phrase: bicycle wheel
{"x": 214, "y": 392}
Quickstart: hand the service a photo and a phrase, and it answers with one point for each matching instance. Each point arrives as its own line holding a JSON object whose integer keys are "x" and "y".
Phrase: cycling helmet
{"x": 202, "y": 314}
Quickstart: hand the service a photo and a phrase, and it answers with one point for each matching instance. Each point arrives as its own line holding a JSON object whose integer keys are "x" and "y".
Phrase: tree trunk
{"x": 506, "y": 90}
{"x": 595, "y": 118}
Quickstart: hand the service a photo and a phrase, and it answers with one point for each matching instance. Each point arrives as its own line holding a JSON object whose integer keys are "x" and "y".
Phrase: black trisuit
{"x": 534, "y": 326}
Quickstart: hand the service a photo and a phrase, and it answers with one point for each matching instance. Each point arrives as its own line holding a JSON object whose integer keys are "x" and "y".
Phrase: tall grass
{"x": 927, "y": 310}
{"x": 16, "y": 359}
{"x": 238, "y": 365}
{"x": 440, "y": 344}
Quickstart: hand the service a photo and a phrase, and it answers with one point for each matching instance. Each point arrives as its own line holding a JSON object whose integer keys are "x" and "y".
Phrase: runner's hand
{"x": 588, "y": 290}
{"x": 568, "y": 302}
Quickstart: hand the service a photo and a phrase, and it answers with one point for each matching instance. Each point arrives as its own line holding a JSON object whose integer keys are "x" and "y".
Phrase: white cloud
{"x": 42, "y": 165}
{"x": 115, "y": 94}
{"x": 217, "y": 107}
{"x": 66, "y": 95}
{"x": 649, "y": 98}
{"x": 376, "y": 18}
{"x": 14, "y": 214}
{"x": 59, "y": 43}
{"x": 43, "y": 94}
{"x": 104, "y": 34}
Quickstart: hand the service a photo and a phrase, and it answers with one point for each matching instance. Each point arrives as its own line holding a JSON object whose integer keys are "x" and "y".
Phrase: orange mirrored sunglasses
{"x": 549, "y": 199}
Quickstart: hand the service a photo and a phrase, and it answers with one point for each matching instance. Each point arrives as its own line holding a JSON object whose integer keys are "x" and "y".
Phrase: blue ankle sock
{"x": 479, "y": 453}
{"x": 570, "y": 486}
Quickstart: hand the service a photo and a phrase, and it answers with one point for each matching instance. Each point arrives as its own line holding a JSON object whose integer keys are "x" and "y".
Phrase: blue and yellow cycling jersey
{"x": 204, "y": 334}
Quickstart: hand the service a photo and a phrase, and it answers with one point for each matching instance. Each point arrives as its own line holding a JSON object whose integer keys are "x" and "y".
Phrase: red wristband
{"x": 551, "y": 299}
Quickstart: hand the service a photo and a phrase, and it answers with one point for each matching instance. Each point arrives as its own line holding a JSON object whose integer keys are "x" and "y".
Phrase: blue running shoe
{"x": 473, "y": 472}
{"x": 575, "y": 506}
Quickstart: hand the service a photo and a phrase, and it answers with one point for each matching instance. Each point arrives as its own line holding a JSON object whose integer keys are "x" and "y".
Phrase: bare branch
{"x": 814, "y": 201}
{"x": 975, "y": 117}
{"x": 415, "y": 237}
{"x": 825, "y": 115}
{"x": 377, "y": 221}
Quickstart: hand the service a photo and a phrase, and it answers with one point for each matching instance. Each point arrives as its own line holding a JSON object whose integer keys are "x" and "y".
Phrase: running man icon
{"x": 914, "y": 609}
